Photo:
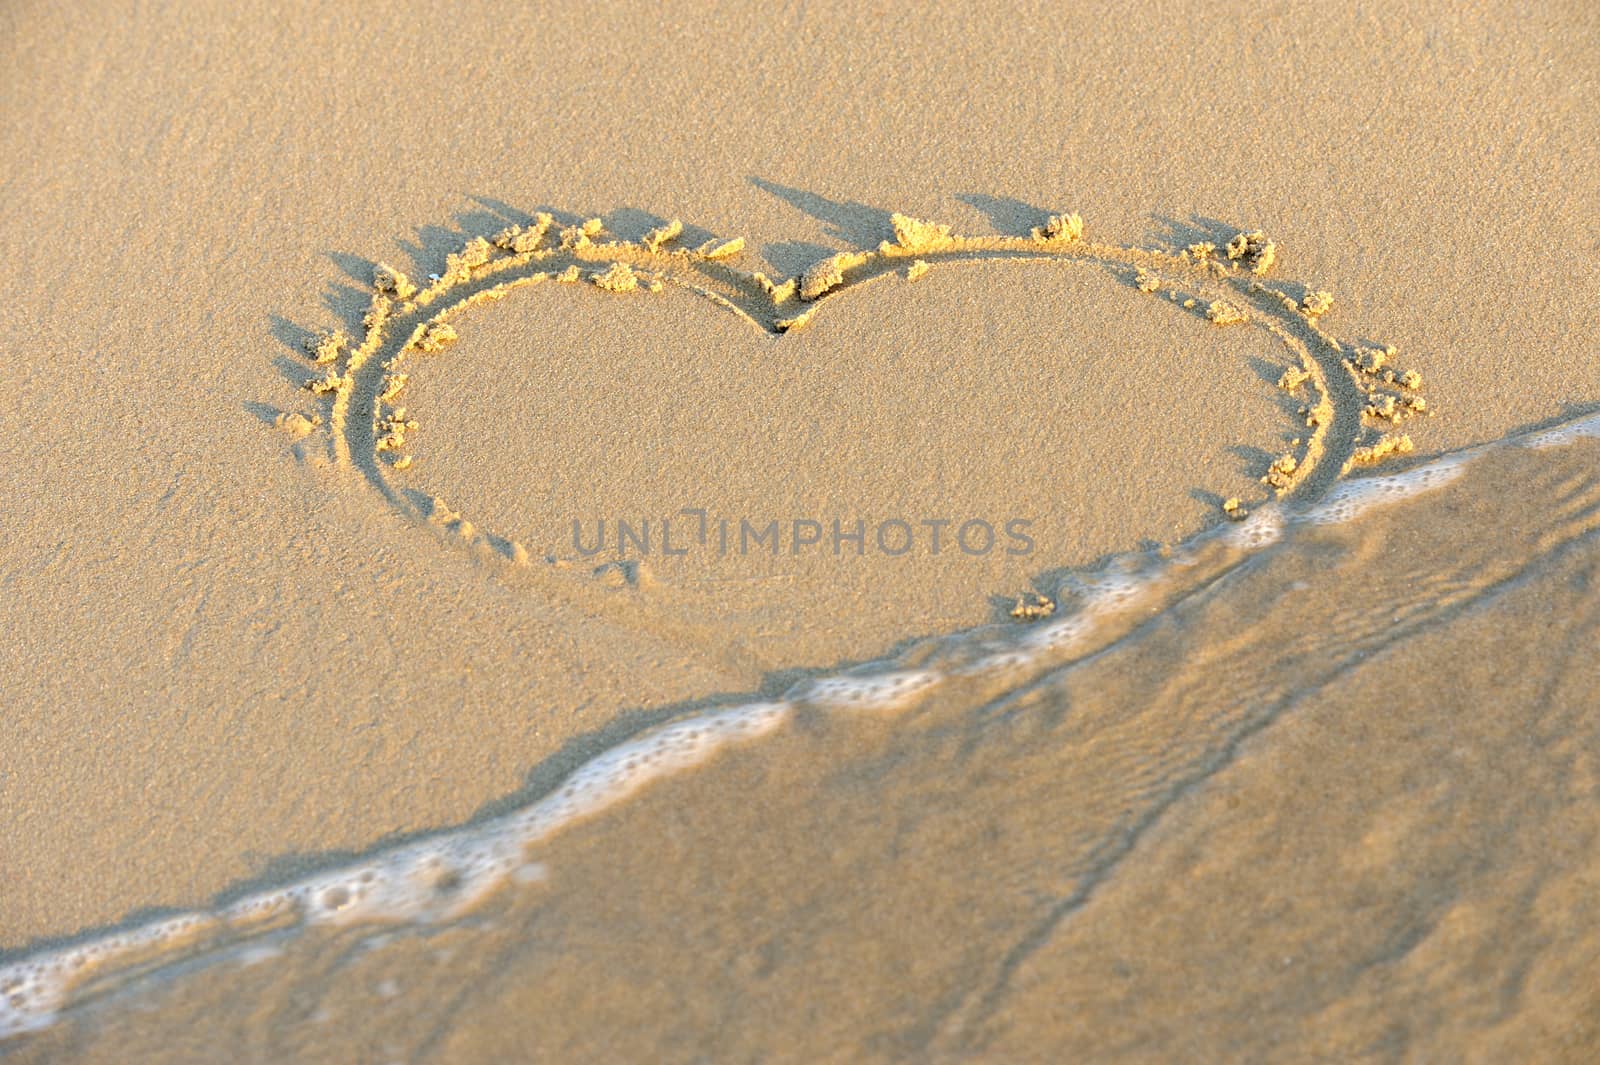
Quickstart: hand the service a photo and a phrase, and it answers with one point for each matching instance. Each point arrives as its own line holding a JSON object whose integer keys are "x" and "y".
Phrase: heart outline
{"x": 486, "y": 270}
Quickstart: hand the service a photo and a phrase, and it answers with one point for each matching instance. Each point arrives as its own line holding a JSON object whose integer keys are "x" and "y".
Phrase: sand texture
{"x": 1211, "y": 677}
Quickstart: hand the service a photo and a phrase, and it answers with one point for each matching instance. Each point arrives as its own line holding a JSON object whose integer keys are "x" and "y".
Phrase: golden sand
{"x": 291, "y": 408}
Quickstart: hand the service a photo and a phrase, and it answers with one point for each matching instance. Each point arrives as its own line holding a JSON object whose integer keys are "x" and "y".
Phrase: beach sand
{"x": 1287, "y": 789}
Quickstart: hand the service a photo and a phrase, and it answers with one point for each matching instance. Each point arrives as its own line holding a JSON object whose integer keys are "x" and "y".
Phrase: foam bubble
{"x": 1056, "y": 635}
{"x": 1261, "y": 529}
{"x": 366, "y": 892}
{"x": 1351, "y": 499}
{"x": 468, "y": 871}
{"x": 1563, "y": 435}
{"x": 998, "y": 663}
{"x": 256, "y": 907}
{"x": 889, "y": 690}
{"x": 1109, "y": 592}
{"x": 171, "y": 929}
{"x": 32, "y": 991}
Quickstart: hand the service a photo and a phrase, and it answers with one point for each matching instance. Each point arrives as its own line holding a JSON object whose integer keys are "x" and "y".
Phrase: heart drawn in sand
{"x": 1344, "y": 392}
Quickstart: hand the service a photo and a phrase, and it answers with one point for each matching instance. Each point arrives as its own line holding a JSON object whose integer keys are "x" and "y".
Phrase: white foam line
{"x": 1351, "y": 499}
{"x": 423, "y": 881}
{"x": 867, "y": 690}
{"x": 1563, "y": 435}
{"x": 999, "y": 662}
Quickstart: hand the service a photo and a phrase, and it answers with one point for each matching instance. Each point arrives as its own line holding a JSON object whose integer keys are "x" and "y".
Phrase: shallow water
{"x": 1261, "y": 791}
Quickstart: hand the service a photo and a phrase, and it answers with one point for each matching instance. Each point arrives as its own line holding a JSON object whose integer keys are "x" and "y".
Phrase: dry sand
{"x": 1333, "y": 801}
